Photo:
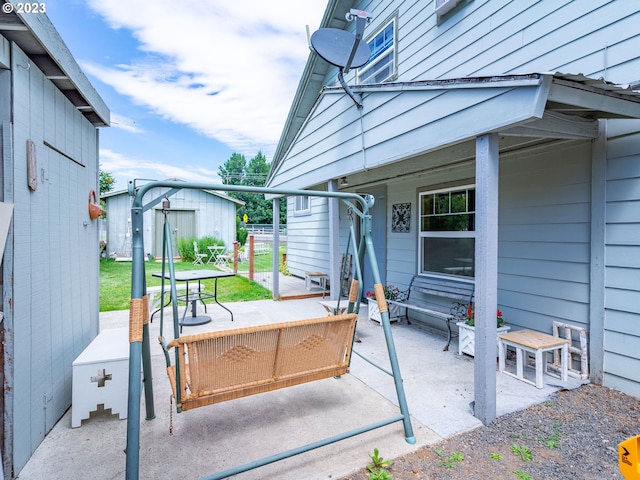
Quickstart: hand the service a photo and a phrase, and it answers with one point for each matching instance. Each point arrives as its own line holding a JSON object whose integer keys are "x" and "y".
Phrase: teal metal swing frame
{"x": 139, "y": 345}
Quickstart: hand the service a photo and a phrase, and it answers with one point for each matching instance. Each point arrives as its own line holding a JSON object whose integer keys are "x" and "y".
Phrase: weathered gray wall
{"x": 51, "y": 303}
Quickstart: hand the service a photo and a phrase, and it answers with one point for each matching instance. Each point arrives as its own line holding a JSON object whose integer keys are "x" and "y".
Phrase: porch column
{"x": 334, "y": 241}
{"x": 486, "y": 276}
{"x": 596, "y": 280}
{"x": 275, "y": 266}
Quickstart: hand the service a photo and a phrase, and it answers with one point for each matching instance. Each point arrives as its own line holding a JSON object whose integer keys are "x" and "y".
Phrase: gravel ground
{"x": 574, "y": 435}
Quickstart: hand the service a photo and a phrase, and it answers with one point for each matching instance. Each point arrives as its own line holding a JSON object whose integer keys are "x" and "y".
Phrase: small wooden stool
{"x": 321, "y": 278}
{"x": 537, "y": 343}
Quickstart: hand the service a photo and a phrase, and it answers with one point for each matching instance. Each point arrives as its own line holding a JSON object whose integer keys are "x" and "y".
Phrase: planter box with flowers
{"x": 390, "y": 293}
{"x": 467, "y": 331}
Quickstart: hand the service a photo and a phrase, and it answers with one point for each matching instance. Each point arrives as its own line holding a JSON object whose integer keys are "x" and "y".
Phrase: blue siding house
{"x": 519, "y": 118}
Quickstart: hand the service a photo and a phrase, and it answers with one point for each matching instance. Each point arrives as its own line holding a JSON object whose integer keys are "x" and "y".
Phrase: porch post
{"x": 334, "y": 242}
{"x": 596, "y": 281}
{"x": 486, "y": 276}
{"x": 275, "y": 267}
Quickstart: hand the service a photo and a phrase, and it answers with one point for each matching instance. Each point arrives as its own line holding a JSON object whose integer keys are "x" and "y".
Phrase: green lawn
{"x": 115, "y": 284}
{"x": 262, "y": 263}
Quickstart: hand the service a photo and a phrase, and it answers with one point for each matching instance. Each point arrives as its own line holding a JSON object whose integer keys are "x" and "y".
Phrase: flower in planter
{"x": 390, "y": 293}
{"x": 471, "y": 317}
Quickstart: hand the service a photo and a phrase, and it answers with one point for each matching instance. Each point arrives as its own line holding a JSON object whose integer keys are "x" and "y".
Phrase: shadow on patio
{"x": 438, "y": 384}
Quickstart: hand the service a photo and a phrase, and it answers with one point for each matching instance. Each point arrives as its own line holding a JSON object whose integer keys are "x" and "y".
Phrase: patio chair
{"x": 224, "y": 259}
{"x": 199, "y": 256}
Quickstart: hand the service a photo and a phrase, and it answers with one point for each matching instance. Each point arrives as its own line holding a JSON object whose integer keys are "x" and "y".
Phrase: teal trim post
{"x": 174, "y": 303}
{"x": 135, "y": 351}
{"x": 386, "y": 325}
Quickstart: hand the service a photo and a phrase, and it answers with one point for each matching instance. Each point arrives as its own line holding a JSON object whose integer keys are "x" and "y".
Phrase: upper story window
{"x": 302, "y": 206}
{"x": 382, "y": 63}
{"x": 447, "y": 231}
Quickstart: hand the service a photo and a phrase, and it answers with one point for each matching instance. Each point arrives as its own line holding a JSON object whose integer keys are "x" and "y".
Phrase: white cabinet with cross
{"x": 101, "y": 376}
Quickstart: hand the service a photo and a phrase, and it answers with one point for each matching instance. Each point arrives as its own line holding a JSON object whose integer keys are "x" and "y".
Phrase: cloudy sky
{"x": 188, "y": 83}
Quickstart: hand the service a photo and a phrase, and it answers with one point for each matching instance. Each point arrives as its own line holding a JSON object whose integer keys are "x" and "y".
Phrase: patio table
{"x": 214, "y": 252}
{"x": 192, "y": 276}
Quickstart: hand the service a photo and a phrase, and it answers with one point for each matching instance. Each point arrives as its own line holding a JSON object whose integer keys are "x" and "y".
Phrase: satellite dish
{"x": 343, "y": 49}
{"x": 336, "y": 47}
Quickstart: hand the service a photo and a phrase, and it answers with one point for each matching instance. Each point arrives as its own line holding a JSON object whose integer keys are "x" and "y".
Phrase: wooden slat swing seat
{"x": 218, "y": 366}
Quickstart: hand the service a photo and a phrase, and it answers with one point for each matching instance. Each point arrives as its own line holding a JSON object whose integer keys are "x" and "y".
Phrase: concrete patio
{"x": 438, "y": 385}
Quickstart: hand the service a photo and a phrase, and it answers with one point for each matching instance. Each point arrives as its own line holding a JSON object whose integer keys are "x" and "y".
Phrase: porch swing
{"x": 218, "y": 366}
{"x": 223, "y": 365}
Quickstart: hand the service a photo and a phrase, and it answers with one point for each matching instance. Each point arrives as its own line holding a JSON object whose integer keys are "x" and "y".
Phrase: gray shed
{"x": 49, "y": 119}
{"x": 194, "y": 213}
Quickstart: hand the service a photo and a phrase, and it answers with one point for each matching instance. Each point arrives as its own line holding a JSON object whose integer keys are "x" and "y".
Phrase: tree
{"x": 258, "y": 209}
{"x": 257, "y": 170}
{"x": 236, "y": 171}
{"x": 232, "y": 171}
{"x": 106, "y": 182}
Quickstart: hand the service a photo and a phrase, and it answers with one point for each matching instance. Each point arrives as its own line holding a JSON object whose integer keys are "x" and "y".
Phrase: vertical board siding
{"x": 24, "y": 444}
{"x": 55, "y": 283}
{"x": 118, "y": 209}
{"x": 215, "y": 217}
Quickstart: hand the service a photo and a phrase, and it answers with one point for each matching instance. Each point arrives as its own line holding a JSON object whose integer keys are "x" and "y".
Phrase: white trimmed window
{"x": 447, "y": 236}
{"x": 382, "y": 63}
{"x": 302, "y": 206}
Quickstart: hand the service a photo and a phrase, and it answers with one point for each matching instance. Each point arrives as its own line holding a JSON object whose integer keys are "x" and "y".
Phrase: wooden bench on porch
{"x": 440, "y": 297}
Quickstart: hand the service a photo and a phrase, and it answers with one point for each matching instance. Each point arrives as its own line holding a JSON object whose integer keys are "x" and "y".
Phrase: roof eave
{"x": 543, "y": 106}
{"x": 37, "y": 37}
{"x": 305, "y": 97}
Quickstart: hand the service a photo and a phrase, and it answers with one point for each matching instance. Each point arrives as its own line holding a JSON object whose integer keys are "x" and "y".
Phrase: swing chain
{"x": 171, "y": 415}
{"x": 350, "y": 213}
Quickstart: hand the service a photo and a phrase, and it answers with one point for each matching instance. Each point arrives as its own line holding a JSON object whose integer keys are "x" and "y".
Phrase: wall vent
{"x": 443, "y": 6}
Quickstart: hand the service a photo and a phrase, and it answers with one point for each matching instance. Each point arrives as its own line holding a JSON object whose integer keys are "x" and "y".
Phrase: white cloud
{"x": 125, "y": 123}
{"x": 228, "y": 70}
{"x": 122, "y": 168}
